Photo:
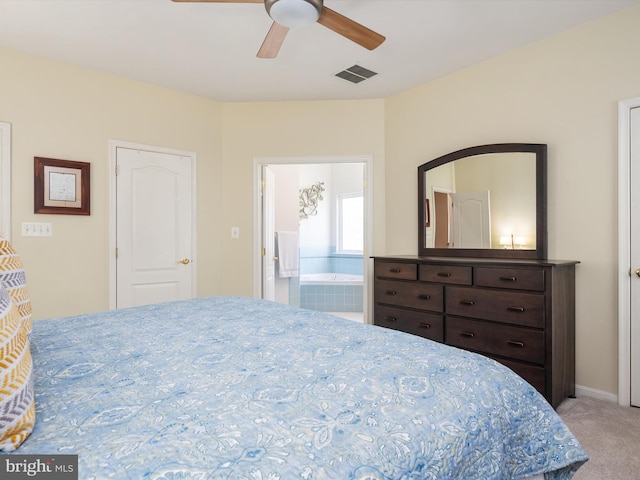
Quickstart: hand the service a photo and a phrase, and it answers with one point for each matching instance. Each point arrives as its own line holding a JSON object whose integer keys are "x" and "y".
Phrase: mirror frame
{"x": 539, "y": 253}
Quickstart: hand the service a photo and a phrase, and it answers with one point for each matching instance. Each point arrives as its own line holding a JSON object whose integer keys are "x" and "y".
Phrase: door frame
{"x": 367, "y": 160}
{"x": 5, "y": 180}
{"x": 434, "y": 211}
{"x": 624, "y": 250}
{"x": 268, "y": 265}
{"x": 113, "y": 148}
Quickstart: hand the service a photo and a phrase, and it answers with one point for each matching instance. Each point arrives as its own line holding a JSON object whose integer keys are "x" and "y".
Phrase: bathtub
{"x": 330, "y": 279}
{"x": 332, "y": 292}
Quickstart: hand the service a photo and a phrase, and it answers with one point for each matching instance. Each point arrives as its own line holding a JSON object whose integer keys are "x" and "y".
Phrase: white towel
{"x": 288, "y": 255}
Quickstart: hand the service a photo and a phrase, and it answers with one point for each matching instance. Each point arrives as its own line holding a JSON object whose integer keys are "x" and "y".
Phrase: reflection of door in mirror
{"x": 441, "y": 206}
{"x": 471, "y": 220}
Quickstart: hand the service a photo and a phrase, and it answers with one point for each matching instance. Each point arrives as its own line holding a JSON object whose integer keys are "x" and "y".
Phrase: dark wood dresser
{"x": 519, "y": 312}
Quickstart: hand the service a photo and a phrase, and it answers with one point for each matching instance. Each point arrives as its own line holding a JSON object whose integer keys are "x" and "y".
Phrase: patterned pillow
{"x": 14, "y": 279}
{"x": 17, "y": 406}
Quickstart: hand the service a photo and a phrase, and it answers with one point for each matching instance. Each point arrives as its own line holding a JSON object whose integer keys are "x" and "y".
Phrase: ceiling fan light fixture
{"x": 294, "y": 13}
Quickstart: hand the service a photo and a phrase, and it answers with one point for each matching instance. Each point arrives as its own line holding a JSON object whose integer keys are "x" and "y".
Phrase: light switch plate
{"x": 37, "y": 229}
{"x": 235, "y": 232}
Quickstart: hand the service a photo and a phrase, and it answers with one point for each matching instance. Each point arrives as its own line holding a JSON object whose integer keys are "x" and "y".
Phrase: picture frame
{"x": 427, "y": 214}
{"x": 61, "y": 187}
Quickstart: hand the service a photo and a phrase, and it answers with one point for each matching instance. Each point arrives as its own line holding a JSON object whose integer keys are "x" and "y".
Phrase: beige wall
{"x": 60, "y": 111}
{"x": 564, "y": 92}
{"x": 290, "y": 129}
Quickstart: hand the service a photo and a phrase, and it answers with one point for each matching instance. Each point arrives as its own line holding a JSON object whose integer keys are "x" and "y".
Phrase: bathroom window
{"x": 350, "y": 223}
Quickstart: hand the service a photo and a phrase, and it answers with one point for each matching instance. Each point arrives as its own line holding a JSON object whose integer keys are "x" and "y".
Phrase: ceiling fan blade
{"x": 220, "y": 1}
{"x": 273, "y": 41}
{"x": 348, "y": 28}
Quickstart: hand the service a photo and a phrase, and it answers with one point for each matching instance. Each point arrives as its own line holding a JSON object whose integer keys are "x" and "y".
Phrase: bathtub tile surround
{"x": 333, "y": 293}
{"x": 332, "y": 298}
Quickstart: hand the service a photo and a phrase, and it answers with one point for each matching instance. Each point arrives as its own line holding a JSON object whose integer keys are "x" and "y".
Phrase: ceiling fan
{"x": 288, "y": 14}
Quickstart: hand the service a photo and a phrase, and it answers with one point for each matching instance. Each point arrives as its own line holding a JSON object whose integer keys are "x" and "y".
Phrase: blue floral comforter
{"x": 245, "y": 389}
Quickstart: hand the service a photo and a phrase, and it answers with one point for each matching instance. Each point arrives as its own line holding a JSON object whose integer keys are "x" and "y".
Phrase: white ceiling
{"x": 209, "y": 49}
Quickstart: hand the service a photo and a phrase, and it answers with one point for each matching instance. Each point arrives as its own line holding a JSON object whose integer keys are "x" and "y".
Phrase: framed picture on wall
{"x": 427, "y": 222}
{"x": 61, "y": 186}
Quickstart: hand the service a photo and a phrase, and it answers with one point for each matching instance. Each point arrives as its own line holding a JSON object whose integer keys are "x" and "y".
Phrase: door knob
{"x": 184, "y": 261}
{"x": 638, "y": 272}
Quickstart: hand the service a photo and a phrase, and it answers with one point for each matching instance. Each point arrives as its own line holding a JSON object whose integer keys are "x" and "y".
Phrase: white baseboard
{"x": 593, "y": 393}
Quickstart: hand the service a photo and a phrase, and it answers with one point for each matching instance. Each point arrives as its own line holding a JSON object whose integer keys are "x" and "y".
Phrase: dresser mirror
{"x": 484, "y": 201}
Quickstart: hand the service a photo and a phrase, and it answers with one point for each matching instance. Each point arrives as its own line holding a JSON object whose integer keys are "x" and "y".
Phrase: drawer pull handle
{"x": 467, "y": 334}
{"x": 394, "y": 270}
{"x": 391, "y": 319}
{"x": 391, "y": 292}
{"x": 516, "y": 309}
{"x": 508, "y": 279}
{"x": 513, "y": 343}
{"x": 469, "y": 303}
{"x": 444, "y": 274}
{"x": 425, "y": 325}
{"x": 424, "y": 297}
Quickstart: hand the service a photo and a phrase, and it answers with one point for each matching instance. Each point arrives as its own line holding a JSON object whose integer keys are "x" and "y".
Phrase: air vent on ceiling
{"x": 356, "y": 74}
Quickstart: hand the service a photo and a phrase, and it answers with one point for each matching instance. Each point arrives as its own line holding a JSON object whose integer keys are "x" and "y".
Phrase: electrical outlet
{"x": 235, "y": 232}
{"x": 35, "y": 229}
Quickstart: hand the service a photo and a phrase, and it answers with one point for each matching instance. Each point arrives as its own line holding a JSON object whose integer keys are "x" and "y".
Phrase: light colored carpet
{"x": 609, "y": 433}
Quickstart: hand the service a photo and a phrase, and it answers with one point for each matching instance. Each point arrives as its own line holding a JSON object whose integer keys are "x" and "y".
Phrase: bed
{"x": 241, "y": 388}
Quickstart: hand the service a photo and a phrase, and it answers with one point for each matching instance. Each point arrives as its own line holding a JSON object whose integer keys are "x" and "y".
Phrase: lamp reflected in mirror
{"x": 512, "y": 242}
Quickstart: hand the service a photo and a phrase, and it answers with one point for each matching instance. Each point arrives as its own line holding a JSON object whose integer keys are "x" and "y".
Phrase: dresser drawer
{"x": 410, "y": 294}
{"x": 495, "y": 339}
{"x": 511, "y": 278}
{"x": 428, "y": 325}
{"x": 519, "y": 308}
{"x": 445, "y": 274}
{"x": 532, "y": 374}
{"x": 401, "y": 271}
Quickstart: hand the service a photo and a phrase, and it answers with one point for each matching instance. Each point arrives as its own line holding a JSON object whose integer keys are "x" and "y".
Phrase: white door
{"x": 268, "y": 234}
{"x": 155, "y": 227}
{"x": 470, "y": 220}
{"x": 634, "y": 170}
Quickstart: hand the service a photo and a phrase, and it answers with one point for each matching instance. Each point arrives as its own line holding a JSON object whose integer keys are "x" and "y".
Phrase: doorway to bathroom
{"x": 314, "y": 233}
